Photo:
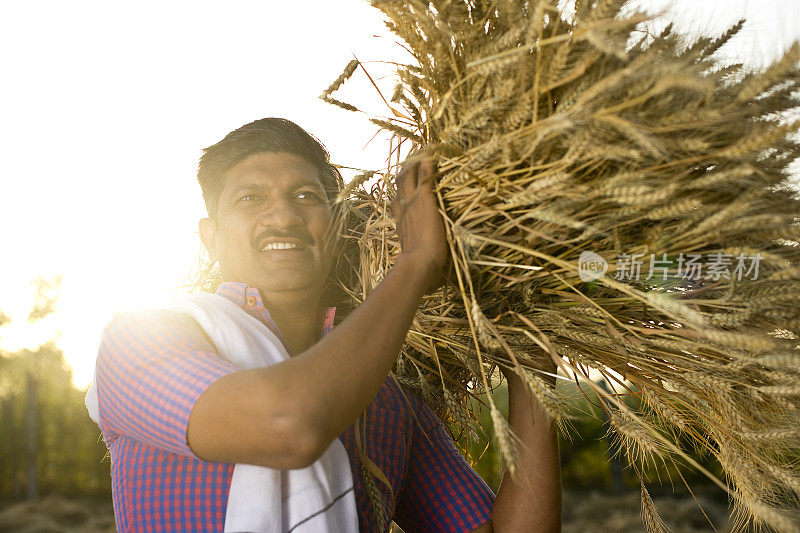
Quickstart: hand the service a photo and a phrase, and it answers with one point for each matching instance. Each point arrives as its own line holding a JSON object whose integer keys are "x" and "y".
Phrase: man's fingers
{"x": 426, "y": 172}
{"x": 407, "y": 180}
{"x": 412, "y": 176}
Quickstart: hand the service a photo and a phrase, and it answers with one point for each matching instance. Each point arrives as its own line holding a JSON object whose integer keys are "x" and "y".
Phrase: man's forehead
{"x": 269, "y": 169}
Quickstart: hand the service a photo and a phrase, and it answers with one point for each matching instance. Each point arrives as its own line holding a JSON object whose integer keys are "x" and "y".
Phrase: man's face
{"x": 272, "y": 217}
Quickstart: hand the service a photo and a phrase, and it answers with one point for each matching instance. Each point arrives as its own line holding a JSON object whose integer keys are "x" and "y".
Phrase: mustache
{"x": 303, "y": 237}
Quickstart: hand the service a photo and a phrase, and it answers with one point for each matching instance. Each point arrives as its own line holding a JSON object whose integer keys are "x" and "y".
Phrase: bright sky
{"x": 106, "y": 106}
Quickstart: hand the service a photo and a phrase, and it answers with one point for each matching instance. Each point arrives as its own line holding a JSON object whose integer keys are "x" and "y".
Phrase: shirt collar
{"x": 248, "y": 297}
{"x": 240, "y": 293}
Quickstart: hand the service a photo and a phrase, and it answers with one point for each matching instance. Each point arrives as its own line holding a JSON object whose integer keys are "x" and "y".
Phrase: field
{"x": 57, "y": 514}
{"x": 594, "y": 512}
{"x": 584, "y": 512}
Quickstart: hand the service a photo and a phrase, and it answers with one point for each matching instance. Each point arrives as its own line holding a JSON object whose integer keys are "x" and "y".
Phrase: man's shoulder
{"x": 169, "y": 310}
{"x": 400, "y": 399}
{"x": 149, "y": 319}
{"x": 393, "y": 396}
{"x": 154, "y": 327}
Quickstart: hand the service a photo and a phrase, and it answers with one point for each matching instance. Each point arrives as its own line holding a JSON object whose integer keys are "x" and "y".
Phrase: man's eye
{"x": 249, "y": 197}
{"x": 309, "y": 195}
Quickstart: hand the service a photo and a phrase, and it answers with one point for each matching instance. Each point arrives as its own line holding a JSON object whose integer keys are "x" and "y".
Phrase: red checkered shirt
{"x": 151, "y": 369}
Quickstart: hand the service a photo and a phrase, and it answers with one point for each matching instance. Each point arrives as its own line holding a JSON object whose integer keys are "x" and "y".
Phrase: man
{"x": 177, "y": 415}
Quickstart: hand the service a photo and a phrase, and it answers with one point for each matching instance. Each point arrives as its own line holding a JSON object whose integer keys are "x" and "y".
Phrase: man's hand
{"x": 419, "y": 223}
{"x": 542, "y": 362}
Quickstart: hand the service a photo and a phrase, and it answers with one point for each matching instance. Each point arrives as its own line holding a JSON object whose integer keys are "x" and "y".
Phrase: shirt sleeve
{"x": 442, "y": 492}
{"x": 151, "y": 369}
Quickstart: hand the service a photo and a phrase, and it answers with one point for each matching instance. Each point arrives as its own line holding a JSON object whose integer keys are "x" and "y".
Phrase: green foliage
{"x": 48, "y": 444}
{"x": 483, "y": 454}
{"x": 588, "y": 457}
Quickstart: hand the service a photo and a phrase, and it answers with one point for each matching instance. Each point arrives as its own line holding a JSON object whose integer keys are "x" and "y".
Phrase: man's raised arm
{"x": 532, "y": 501}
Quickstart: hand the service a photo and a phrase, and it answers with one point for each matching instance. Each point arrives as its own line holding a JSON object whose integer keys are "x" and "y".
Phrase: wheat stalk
{"x": 553, "y": 139}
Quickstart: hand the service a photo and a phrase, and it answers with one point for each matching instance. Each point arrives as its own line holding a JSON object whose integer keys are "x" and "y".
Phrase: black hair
{"x": 271, "y": 135}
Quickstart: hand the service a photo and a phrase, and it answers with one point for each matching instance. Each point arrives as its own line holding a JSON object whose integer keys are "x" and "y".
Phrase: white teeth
{"x": 279, "y": 246}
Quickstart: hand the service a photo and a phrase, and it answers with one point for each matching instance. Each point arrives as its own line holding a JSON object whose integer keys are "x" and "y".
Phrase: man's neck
{"x": 296, "y": 313}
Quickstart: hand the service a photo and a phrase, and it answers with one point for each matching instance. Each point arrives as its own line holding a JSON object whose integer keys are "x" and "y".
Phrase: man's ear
{"x": 208, "y": 236}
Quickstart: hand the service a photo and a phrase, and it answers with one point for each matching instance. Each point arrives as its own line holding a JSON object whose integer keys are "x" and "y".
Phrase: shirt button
{"x": 251, "y": 300}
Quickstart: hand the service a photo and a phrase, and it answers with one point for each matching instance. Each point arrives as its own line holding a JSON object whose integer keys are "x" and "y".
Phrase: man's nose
{"x": 280, "y": 213}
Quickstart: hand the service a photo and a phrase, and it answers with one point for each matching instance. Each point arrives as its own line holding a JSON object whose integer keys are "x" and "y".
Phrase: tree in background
{"x": 590, "y": 458}
{"x": 48, "y": 444}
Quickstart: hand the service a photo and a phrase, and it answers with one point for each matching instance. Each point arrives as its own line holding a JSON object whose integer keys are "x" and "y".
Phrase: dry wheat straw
{"x": 554, "y": 138}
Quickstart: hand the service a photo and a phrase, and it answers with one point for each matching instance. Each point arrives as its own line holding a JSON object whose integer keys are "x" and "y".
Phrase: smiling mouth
{"x": 283, "y": 246}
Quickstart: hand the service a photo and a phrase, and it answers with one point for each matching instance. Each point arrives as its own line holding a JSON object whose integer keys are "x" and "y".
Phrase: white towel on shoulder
{"x": 318, "y": 498}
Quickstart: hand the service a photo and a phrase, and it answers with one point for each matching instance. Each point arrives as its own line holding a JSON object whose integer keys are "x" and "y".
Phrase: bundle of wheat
{"x": 614, "y": 201}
